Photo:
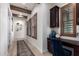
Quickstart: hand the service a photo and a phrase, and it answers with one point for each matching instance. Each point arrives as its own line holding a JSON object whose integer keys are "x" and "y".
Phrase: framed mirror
{"x": 68, "y": 20}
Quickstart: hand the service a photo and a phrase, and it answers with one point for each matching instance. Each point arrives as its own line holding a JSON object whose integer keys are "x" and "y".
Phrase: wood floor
{"x": 13, "y": 49}
{"x": 35, "y": 51}
{"x": 23, "y": 49}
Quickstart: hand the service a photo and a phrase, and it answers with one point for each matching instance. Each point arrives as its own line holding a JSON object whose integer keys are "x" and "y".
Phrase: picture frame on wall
{"x": 32, "y": 27}
{"x": 29, "y": 28}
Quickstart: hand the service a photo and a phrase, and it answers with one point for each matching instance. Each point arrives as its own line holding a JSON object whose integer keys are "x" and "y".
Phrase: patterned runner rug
{"x": 23, "y": 49}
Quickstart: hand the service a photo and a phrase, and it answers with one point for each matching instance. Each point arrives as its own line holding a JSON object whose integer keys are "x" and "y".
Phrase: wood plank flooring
{"x": 35, "y": 51}
{"x": 23, "y": 49}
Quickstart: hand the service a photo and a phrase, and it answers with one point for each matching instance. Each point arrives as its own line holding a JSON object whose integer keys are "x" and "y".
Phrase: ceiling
{"x": 28, "y": 6}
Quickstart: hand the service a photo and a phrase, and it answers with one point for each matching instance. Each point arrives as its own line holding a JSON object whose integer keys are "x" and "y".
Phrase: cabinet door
{"x": 77, "y": 13}
{"x": 57, "y": 16}
{"x": 68, "y": 20}
{"x": 52, "y": 18}
{"x": 49, "y": 45}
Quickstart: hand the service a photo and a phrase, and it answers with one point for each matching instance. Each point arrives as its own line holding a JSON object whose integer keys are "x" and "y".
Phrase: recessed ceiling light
{"x": 20, "y": 15}
{"x": 23, "y": 3}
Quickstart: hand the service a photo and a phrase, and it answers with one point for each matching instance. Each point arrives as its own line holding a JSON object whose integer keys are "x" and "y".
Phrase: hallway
{"x": 30, "y": 29}
{"x": 21, "y": 49}
{"x": 24, "y": 32}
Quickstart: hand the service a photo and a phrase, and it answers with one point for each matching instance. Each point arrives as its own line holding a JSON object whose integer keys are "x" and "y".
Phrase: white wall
{"x": 10, "y": 25}
{"x": 42, "y": 27}
{"x": 37, "y": 43}
{"x": 46, "y": 25}
{"x": 22, "y": 33}
{"x": 4, "y": 22}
